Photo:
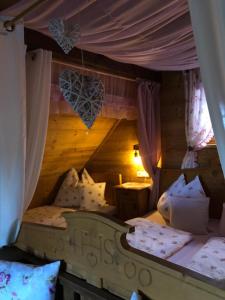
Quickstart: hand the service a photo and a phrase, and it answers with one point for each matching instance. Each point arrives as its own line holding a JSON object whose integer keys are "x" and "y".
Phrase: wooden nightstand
{"x": 132, "y": 199}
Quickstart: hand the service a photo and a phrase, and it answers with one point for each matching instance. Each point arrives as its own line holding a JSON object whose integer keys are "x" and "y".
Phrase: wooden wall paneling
{"x": 116, "y": 157}
{"x": 174, "y": 145}
{"x": 69, "y": 144}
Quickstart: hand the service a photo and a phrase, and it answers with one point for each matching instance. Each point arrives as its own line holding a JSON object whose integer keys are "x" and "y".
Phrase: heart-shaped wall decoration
{"x": 84, "y": 93}
{"x": 65, "y": 36}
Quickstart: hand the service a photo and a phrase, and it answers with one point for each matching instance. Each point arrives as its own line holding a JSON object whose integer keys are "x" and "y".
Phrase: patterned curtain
{"x": 198, "y": 126}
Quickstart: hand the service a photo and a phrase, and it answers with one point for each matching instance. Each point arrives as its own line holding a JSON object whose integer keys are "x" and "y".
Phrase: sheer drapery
{"x": 149, "y": 132}
{"x": 208, "y": 21}
{"x": 38, "y": 73}
{"x": 12, "y": 131}
{"x": 198, "y": 127}
{"x": 120, "y": 94}
{"x": 153, "y": 34}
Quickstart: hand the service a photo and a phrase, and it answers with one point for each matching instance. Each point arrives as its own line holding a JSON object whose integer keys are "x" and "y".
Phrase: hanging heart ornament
{"x": 65, "y": 36}
{"x": 84, "y": 93}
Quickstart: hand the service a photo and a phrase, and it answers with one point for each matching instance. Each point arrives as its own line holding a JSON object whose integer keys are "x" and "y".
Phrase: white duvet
{"x": 210, "y": 259}
{"x": 159, "y": 240}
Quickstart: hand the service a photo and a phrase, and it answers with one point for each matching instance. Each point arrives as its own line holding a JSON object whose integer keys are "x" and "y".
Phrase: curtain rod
{"x": 71, "y": 64}
{"x": 11, "y": 24}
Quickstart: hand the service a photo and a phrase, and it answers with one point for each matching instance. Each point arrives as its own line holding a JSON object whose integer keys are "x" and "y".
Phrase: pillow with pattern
{"x": 68, "y": 194}
{"x": 175, "y": 188}
{"x": 193, "y": 189}
{"x": 24, "y": 282}
{"x": 92, "y": 196}
{"x": 86, "y": 177}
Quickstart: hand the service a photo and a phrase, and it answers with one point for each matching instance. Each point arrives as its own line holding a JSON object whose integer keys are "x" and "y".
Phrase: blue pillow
{"x": 27, "y": 282}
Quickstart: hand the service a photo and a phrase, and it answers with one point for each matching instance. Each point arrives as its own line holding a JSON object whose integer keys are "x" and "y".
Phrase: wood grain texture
{"x": 69, "y": 144}
{"x": 116, "y": 157}
{"x": 174, "y": 145}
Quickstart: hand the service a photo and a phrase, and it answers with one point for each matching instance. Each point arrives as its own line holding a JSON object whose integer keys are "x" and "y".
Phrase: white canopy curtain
{"x": 24, "y": 111}
{"x": 198, "y": 127}
{"x": 38, "y": 71}
{"x": 208, "y": 22}
{"x": 12, "y": 131}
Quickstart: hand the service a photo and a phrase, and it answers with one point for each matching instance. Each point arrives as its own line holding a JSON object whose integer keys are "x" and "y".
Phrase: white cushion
{"x": 179, "y": 189}
{"x": 92, "y": 196}
{"x": 189, "y": 214}
{"x": 68, "y": 194}
{"x": 192, "y": 189}
{"x": 175, "y": 188}
{"x": 20, "y": 281}
{"x": 86, "y": 177}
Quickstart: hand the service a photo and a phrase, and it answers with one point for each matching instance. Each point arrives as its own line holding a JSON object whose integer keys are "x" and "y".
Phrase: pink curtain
{"x": 153, "y": 34}
{"x": 119, "y": 98}
{"x": 198, "y": 125}
{"x": 149, "y": 132}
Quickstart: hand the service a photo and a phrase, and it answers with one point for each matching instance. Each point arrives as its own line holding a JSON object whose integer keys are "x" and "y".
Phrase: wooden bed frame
{"x": 94, "y": 248}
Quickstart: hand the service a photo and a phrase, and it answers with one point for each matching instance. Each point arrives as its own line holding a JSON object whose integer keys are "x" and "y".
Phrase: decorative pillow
{"x": 68, "y": 195}
{"x": 191, "y": 190}
{"x": 92, "y": 196}
{"x": 175, "y": 188}
{"x": 190, "y": 215}
{"x": 86, "y": 178}
{"x": 24, "y": 282}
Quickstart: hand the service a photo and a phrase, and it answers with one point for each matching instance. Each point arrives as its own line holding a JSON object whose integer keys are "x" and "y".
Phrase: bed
{"x": 95, "y": 248}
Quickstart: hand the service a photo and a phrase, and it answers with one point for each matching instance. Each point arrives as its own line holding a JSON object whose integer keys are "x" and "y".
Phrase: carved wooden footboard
{"x": 94, "y": 247}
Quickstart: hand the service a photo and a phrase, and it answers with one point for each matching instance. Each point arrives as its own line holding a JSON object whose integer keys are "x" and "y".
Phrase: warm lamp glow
{"x": 137, "y": 159}
{"x": 138, "y": 163}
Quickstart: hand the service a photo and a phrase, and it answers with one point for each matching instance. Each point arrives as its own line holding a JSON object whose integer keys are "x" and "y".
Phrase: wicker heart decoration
{"x": 65, "y": 36}
{"x": 84, "y": 93}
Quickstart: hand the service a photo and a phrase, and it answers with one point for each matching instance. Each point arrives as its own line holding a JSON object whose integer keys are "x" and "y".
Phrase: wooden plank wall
{"x": 174, "y": 145}
{"x": 69, "y": 144}
{"x": 115, "y": 157}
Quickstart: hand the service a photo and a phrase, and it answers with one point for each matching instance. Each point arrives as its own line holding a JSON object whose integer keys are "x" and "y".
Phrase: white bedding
{"x": 210, "y": 259}
{"x": 47, "y": 215}
{"x": 156, "y": 239}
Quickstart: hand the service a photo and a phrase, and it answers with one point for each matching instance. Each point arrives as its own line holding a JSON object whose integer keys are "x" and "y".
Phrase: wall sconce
{"x": 137, "y": 158}
{"x": 138, "y": 163}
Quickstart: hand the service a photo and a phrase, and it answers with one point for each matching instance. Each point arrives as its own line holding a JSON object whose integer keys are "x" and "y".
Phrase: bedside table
{"x": 132, "y": 199}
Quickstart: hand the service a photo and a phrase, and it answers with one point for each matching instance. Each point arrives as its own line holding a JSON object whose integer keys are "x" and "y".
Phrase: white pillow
{"x": 86, "y": 177}
{"x": 20, "y": 281}
{"x": 190, "y": 215}
{"x": 68, "y": 194}
{"x": 192, "y": 189}
{"x": 175, "y": 188}
{"x": 92, "y": 196}
{"x": 179, "y": 189}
